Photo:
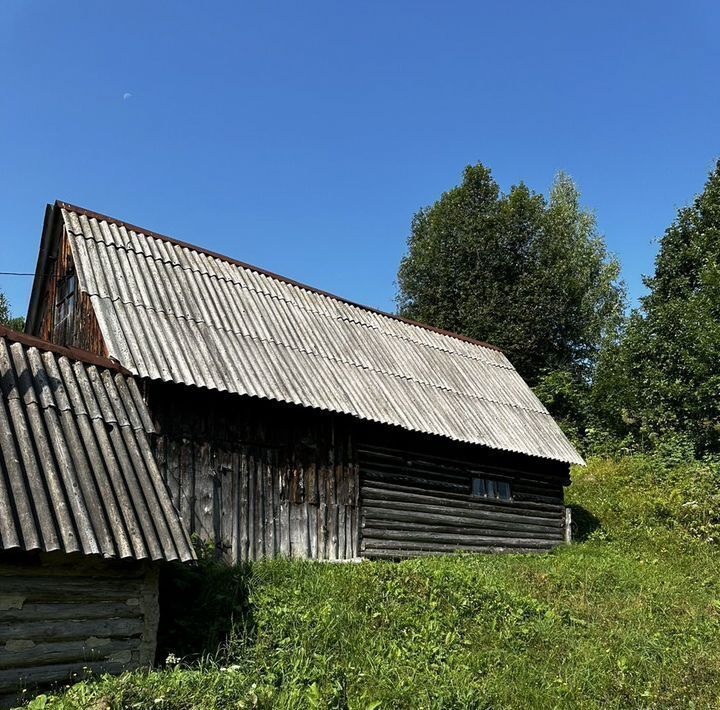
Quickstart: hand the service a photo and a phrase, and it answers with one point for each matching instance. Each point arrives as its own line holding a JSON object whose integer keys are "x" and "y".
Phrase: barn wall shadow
{"x": 199, "y": 607}
{"x": 584, "y": 523}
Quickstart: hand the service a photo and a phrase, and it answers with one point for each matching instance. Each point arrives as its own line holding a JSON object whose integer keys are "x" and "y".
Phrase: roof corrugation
{"x": 76, "y": 470}
{"x": 172, "y": 312}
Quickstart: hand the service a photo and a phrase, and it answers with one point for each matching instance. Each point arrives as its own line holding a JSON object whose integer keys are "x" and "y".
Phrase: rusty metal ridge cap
{"x": 69, "y": 352}
{"x": 222, "y": 257}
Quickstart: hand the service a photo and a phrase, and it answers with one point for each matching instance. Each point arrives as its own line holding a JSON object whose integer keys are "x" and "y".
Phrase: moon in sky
{"x": 126, "y": 95}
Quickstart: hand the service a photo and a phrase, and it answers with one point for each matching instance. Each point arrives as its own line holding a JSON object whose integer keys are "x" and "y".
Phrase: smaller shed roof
{"x": 77, "y": 473}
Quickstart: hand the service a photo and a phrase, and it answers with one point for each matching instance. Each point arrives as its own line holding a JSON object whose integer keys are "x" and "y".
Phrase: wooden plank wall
{"x": 62, "y": 613}
{"x": 414, "y": 503}
{"x": 256, "y": 479}
{"x": 80, "y": 329}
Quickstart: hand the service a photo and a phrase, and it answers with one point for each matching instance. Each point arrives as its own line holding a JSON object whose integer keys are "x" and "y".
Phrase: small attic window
{"x": 491, "y": 488}
{"x": 65, "y": 299}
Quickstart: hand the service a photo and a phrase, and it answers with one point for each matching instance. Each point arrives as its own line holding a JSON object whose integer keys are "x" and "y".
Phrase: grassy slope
{"x": 628, "y": 618}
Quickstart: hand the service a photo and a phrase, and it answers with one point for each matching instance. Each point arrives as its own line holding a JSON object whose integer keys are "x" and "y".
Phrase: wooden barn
{"x": 85, "y": 517}
{"x": 293, "y": 422}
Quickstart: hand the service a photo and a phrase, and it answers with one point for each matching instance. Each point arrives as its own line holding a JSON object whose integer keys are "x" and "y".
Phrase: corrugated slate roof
{"x": 174, "y": 312}
{"x": 76, "y": 470}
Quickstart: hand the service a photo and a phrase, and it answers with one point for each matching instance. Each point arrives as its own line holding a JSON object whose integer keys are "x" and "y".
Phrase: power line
{"x": 16, "y": 273}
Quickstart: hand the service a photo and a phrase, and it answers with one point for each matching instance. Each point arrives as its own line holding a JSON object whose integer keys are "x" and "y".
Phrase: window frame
{"x": 489, "y": 488}
{"x": 65, "y": 297}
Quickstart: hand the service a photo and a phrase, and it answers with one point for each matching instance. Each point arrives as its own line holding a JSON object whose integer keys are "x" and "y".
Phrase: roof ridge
{"x": 85, "y": 356}
{"x": 216, "y": 255}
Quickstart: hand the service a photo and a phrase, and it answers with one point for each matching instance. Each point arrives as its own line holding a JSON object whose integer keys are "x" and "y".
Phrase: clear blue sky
{"x": 302, "y": 136}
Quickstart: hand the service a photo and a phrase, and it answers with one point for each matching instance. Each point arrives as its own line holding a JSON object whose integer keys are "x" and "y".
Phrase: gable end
{"x": 60, "y": 312}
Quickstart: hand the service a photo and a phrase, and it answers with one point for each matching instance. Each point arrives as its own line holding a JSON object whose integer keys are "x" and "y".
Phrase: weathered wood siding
{"x": 62, "y": 613}
{"x": 80, "y": 329}
{"x": 258, "y": 479}
{"x": 414, "y": 503}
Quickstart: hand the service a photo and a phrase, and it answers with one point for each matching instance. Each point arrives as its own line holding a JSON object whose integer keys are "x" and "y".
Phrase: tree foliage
{"x": 662, "y": 380}
{"x": 530, "y": 275}
{"x": 5, "y": 318}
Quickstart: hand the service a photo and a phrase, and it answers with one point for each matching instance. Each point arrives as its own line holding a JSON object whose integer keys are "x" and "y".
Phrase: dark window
{"x": 491, "y": 488}
{"x": 65, "y": 300}
{"x": 478, "y": 487}
{"x": 503, "y": 490}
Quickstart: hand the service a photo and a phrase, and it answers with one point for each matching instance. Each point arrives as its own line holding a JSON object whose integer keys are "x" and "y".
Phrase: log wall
{"x": 416, "y": 503}
{"x": 61, "y": 614}
{"x": 256, "y": 479}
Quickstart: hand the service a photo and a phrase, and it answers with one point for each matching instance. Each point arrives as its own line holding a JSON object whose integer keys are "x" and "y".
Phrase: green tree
{"x": 663, "y": 380}
{"x": 5, "y": 319}
{"x": 530, "y": 275}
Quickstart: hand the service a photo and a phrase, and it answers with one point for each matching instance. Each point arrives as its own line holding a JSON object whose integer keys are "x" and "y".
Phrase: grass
{"x": 628, "y": 617}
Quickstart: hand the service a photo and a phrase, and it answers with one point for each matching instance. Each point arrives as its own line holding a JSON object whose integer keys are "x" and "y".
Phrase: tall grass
{"x": 628, "y": 617}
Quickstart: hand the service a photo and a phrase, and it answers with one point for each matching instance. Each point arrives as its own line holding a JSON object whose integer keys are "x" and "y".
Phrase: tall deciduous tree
{"x": 664, "y": 376}
{"x": 530, "y": 275}
{"x": 5, "y": 319}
